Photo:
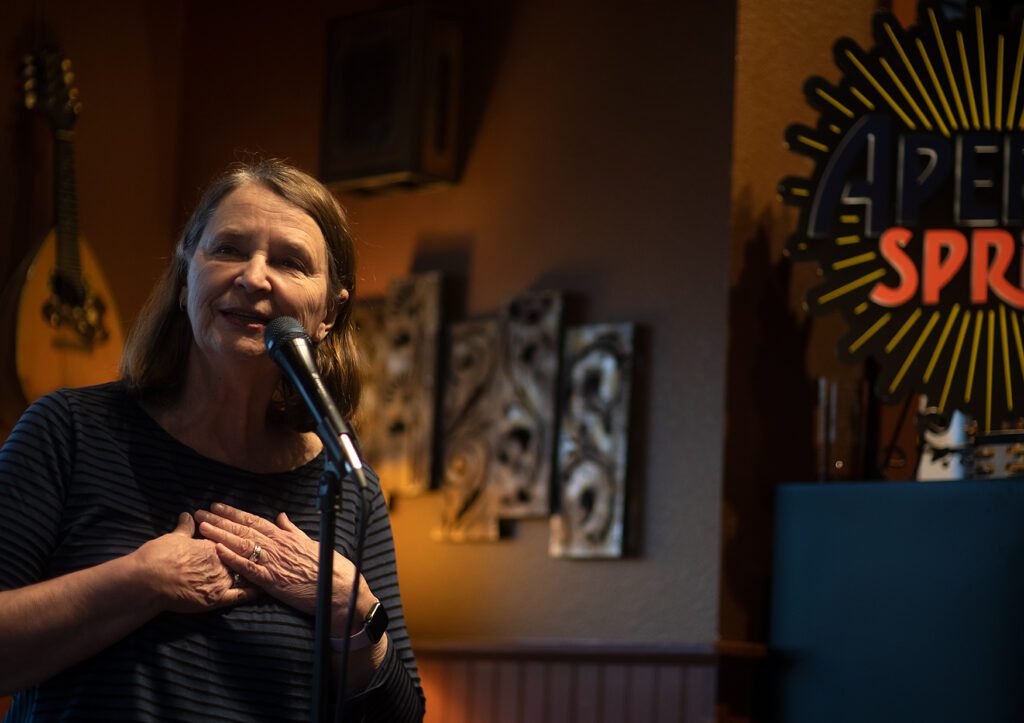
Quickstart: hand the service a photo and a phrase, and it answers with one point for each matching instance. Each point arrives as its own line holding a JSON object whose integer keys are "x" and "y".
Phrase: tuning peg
{"x": 30, "y": 84}
{"x": 30, "y": 100}
{"x": 77, "y": 108}
{"x": 69, "y": 78}
{"x": 65, "y": 65}
{"x": 73, "y": 93}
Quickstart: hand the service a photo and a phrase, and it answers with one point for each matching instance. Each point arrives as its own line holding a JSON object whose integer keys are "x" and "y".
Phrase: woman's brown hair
{"x": 156, "y": 352}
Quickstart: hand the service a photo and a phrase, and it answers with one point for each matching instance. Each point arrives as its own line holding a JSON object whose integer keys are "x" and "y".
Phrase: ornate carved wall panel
{"x": 407, "y": 388}
{"x": 470, "y": 510}
{"x": 593, "y": 442}
{"x": 499, "y": 413}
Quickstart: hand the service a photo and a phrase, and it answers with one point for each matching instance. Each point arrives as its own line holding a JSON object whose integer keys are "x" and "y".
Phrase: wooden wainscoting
{"x": 570, "y": 682}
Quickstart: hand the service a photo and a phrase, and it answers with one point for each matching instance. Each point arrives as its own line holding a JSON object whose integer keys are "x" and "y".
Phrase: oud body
{"x": 57, "y": 343}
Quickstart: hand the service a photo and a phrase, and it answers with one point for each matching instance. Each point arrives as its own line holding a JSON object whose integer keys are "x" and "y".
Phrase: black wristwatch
{"x": 374, "y": 626}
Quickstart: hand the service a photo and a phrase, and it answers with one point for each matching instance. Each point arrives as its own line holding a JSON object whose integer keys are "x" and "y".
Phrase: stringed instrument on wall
{"x": 68, "y": 329}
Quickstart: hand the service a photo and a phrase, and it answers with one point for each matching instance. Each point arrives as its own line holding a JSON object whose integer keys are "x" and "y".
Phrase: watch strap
{"x": 374, "y": 626}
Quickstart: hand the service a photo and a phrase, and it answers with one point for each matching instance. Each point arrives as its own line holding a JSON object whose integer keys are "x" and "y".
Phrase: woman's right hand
{"x": 185, "y": 574}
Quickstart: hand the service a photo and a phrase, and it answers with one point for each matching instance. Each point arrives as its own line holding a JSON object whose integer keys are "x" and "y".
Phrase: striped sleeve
{"x": 35, "y": 464}
{"x": 390, "y": 698}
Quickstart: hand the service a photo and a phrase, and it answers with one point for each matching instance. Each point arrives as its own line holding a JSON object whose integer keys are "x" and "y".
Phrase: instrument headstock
{"x": 49, "y": 84}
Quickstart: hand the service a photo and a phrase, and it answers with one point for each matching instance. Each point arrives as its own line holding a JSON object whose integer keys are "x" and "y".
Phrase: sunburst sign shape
{"x": 915, "y": 208}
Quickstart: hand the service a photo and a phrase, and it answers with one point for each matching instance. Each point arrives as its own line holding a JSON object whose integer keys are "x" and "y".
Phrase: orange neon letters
{"x": 890, "y": 245}
{"x": 936, "y": 272}
{"x": 1002, "y": 242}
{"x": 991, "y": 251}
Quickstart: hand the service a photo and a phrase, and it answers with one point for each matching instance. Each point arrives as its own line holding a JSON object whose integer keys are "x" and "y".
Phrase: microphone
{"x": 291, "y": 349}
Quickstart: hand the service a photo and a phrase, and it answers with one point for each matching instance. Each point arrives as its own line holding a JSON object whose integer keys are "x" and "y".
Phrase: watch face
{"x": 376, "y": 622}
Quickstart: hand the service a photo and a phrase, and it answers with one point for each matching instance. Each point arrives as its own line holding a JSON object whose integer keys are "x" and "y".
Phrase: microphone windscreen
{"x": 281, "y": 330}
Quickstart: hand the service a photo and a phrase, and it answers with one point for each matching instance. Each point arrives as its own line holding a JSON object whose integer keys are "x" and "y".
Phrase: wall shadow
{"x": 769, "y": 426}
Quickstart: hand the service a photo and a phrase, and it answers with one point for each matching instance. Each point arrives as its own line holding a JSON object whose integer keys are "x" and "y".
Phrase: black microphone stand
{"x": 340, "y": 453}
{"x": 290, "y": 347}
{"x": 328, "y": 503}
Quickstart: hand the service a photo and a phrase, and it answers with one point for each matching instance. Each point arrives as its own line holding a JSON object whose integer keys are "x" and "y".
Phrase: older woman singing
{"x": 155, "y": 553}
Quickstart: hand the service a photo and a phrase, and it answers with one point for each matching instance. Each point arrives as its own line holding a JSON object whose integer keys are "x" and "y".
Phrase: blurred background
{"x": 625, "y": 153}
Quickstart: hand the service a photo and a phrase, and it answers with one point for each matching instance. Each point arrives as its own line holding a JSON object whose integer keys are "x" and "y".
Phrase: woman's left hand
{"x": 282, "y": 560}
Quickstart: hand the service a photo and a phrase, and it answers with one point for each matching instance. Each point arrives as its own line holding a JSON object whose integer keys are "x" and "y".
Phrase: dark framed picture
{"x": 391, "y": 101}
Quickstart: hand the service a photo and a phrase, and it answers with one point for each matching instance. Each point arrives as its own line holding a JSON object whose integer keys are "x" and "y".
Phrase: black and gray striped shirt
{"x": 87, "y": 476}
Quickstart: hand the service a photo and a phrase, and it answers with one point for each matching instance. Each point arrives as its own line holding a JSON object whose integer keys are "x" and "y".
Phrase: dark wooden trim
{"x": 741, "y": 649}
{"x": 589, "y": 650}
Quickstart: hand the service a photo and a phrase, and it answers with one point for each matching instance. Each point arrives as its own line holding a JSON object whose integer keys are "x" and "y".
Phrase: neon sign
{"x": 915, "y": 209}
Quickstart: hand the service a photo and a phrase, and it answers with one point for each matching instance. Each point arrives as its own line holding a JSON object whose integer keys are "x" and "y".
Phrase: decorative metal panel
{"x": 469, "y": 510}
{"x": 593, "y": 442}
{"x": 407, "y": 386}
{"x": 526, "y": 403}
{"x": 499, "y": 416}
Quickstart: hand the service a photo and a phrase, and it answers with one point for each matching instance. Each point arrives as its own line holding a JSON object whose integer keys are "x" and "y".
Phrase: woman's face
{"x": 260, "y": 257}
